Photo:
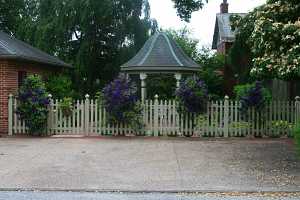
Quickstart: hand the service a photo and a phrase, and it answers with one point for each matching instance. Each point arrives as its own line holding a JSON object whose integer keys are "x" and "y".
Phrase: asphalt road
{"x": 136, "y": 196}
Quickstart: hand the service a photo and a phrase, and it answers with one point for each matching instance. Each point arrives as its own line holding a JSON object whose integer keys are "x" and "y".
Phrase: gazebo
{"x": 160, "y": 54}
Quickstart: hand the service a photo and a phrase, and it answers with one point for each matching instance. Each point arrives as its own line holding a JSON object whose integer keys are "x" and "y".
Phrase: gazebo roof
{"x": 160, "y": 54}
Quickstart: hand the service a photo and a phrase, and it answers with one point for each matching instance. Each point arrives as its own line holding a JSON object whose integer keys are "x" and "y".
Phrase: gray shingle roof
{"x": 12, "y": 48}
{"x": 160, "y": 53}
{"x": 223, "y": 32}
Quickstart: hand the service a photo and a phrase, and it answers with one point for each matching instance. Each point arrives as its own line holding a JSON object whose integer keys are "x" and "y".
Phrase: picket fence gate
{"x": 160, "y": 117}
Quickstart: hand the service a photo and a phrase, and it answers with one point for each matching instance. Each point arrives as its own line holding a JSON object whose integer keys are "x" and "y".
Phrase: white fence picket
{"x": 161, "y": 118}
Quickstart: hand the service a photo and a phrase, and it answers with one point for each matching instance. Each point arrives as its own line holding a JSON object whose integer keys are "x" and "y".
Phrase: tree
{"x": 272, "y": 32}
{"x": 95, "y": 36}
{"x": 9, "y": 15}
{"x": 211, "y": 67}
{"x": 185, "y": 8}
{"x": 240, "y": 59}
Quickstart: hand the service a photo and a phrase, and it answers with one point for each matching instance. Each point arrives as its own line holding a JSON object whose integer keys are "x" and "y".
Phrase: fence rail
{"x": 160, "y": 117}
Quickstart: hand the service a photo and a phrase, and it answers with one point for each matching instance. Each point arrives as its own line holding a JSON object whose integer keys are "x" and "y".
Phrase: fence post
{"x": 297, "y": 104}
{"x": 10, "y": 114}
{"x": 226, "y": 116}
{"x": 50, "y": 114}
{"x": 156, "y": 115}
{"x": 86, "y": 114}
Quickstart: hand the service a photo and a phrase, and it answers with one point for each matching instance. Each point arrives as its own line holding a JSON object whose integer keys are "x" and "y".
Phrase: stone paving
{"x": 149, "y": 164}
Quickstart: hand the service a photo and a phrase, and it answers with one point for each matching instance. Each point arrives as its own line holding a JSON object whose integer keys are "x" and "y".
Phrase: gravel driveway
{"x": 148, "y": 164}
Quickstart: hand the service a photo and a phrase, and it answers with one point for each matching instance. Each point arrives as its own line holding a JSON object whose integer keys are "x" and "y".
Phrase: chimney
{"x": 224, "y": 7}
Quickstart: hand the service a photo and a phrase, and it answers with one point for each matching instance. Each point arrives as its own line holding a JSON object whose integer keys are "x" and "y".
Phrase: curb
{"x": 146, "y": 192}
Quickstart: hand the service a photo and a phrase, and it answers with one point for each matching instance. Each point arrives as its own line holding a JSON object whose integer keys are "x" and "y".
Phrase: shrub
{"x": 59, "y": 86}
{"x": 33, "y": 104}
{"x": 192, "y": 96}
{"x": 66, "y": 106}
{"x": 252, "y": 96}
{"x": 242, "y": 90}
{"x": 121, "y": 102}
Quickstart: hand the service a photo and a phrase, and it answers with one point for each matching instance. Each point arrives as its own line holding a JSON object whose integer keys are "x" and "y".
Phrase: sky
{"x": 203, "y": 21}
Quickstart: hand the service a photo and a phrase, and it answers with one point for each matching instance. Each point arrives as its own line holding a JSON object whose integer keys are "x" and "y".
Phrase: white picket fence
{"x": 160, "y": 117}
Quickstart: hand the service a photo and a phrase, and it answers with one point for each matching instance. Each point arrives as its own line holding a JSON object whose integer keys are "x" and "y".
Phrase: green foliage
{"x": 240, "y": 56}
{"x": 272, "y": 33}
{"x": 192, "y": 96}
{"x": 99, "y": 97}
{"x": 253, "y": 96}
{"x": 185, "y": 8}
{"x": 59, "y": 86}
{"x": 296, "y": 132}
{"x": 9, "y": 15}
{"x": 241, "y": 91}
{"x": 240, "y": 125}
{"x": 279, "y": 127}
{"x": 212, "y": 65}
{"x": 164, "y": 85}
{"x": 33, "y": 104}
{"x": 201, "y": 120}
{"x": 136, "y": 117}
{"x": 121, "y": 102}
{"x": 94, "y": 36}
{"x": 66, "y": 105}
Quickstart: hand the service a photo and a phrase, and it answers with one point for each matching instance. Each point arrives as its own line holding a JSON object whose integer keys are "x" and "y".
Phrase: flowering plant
{"x": 252, "y": 95}
{"x": 121, "y": 102}
{"x": 273, "y": 33}
{"x": 192, "y": 95}
{"x": 33, "y": 104}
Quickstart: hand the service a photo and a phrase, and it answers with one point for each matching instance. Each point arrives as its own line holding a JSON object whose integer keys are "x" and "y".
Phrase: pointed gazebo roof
{"x": 160, "y": 54}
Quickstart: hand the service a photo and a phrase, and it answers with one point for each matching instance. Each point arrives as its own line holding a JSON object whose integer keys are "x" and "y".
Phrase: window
{"x": 21, "y": 77}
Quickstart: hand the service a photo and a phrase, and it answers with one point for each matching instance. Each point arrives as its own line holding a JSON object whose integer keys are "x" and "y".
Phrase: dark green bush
{"x": 59, "y": 86}
{"x": 192, "y": 96}
{"x": 252, "y": 96}
{"x": 33, "y": 104}
{"x": 121, "y": 102}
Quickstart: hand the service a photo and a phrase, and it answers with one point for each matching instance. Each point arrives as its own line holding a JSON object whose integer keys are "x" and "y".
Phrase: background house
{"x": 223, "y": 35}
{"x": 223, "y": 39}
{"x": 17, "y": 59}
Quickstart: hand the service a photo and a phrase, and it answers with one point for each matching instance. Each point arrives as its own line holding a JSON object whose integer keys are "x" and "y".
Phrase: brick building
{"x": 18, "y": 59}
{"x": 223, "y": 35}
{"x": 223, "y": 39}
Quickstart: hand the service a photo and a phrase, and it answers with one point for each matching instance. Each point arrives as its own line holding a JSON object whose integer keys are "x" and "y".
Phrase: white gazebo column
{"x": 143, "y": 77}
{"x": 178, "y": 77}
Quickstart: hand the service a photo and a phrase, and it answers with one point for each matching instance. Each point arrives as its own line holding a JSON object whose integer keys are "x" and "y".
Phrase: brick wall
{"x": 9, "y": 83}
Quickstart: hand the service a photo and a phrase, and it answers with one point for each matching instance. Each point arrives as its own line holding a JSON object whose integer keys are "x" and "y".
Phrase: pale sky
{"x": 202, "y": 22}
